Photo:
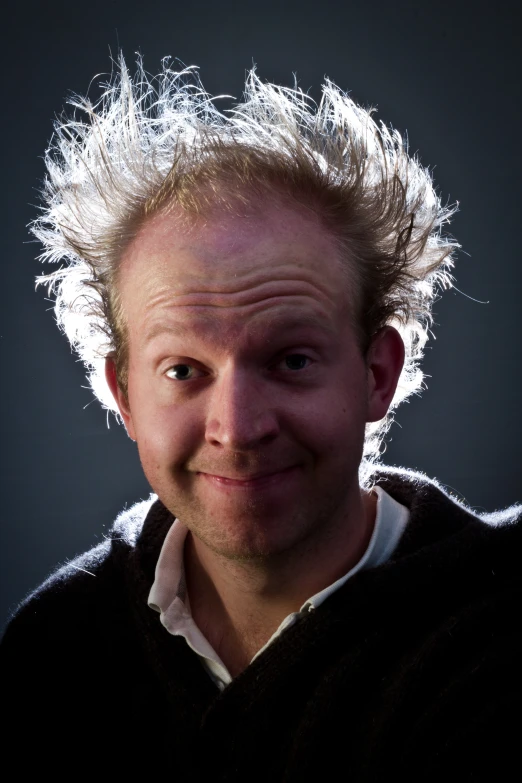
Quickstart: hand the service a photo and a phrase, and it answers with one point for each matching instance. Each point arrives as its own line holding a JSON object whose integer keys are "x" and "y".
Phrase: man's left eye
{"x": 296, "y": 361}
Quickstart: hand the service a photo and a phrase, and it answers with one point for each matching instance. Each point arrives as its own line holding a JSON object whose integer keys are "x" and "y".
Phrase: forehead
{"x": 279, "y": 259}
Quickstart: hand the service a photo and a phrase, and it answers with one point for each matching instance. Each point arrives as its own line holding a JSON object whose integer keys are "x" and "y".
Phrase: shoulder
{"x": 438, "y": 514}
{"x": 414, "y": 488}
{"x": 460, "y": 574}
{"x": 453, "y": 566}
{"x": 76, "y": 654}
{"x": 79, "y": 587}
{"x": 443, "y": 610}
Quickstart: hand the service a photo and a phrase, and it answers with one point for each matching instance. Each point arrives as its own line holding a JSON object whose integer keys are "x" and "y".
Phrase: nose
{"x": 241, "y": 414}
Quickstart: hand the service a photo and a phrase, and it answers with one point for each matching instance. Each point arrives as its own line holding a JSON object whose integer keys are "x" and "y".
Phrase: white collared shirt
{"x": 168, "y": 594}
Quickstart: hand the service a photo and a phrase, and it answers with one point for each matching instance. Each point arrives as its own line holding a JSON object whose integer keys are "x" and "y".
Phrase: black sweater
{"x": 411, "y": 671}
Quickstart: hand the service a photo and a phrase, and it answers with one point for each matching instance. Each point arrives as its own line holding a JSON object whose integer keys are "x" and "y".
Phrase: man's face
{"x": 247, "y": 392}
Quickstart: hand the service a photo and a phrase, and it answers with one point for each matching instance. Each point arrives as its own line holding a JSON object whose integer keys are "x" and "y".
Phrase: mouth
{"x": 253, "y": 481}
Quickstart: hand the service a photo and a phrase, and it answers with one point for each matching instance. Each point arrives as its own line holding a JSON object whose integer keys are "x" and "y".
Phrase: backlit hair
{"x": 148, "y": 143}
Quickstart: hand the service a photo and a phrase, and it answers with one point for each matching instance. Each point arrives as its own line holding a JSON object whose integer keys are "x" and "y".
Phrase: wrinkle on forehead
{"x": 241, "y": 265}
{"x": 233, "y": 294}
{"x": 269, "y": 317}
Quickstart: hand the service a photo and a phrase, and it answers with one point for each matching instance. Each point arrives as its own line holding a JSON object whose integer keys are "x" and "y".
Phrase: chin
{"x": 250, "y": 537}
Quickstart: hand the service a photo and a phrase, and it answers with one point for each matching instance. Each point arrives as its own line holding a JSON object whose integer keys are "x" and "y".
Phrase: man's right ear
{"x": 121, "y": 399}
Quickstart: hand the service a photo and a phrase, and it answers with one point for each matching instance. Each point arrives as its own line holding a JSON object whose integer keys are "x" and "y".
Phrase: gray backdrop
{"x": 447, "y": 73}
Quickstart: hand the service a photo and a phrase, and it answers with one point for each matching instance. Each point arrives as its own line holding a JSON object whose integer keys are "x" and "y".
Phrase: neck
{"x": 238, "y": 605}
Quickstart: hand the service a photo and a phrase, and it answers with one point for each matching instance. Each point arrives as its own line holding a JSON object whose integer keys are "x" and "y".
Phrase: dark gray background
{"x": 447, "y": 73}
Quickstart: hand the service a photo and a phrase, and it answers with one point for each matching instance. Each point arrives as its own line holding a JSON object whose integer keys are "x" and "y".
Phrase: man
{"x": 256, "y": 290}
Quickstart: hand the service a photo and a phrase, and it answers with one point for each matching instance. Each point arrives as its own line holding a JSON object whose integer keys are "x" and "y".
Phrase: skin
{"x": 248, "y": 397}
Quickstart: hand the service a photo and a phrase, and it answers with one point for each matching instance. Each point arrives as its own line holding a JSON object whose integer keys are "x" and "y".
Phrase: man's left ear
{"x": 384, "y": 361}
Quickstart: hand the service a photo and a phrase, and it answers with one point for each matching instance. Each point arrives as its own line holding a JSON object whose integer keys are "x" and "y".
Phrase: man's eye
{"x": 181, "y": 372}
{"x": 296, "y": 361}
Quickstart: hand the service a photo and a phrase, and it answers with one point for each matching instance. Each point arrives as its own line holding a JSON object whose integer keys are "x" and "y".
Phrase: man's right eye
{"x": 181, "y": 372}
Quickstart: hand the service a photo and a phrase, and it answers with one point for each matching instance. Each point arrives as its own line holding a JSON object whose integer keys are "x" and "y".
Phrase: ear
{"x": 119, "y": 396}
{"x": 385, "y": 359}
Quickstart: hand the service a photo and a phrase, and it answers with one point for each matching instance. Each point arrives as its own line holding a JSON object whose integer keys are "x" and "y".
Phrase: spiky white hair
{"x": 148, "y": 141}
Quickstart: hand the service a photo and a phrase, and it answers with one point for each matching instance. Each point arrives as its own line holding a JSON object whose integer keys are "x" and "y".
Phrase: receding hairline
{"x": 248, "y": 204}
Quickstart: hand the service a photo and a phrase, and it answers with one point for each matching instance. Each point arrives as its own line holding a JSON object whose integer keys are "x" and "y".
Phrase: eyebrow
{"x": 161, "y": 327}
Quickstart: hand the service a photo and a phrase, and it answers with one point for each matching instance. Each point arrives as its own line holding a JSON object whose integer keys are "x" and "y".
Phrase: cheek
{"x": 165, "y": 445}
{"x": 335, "y": 416}
{"x": 165, "y": 434}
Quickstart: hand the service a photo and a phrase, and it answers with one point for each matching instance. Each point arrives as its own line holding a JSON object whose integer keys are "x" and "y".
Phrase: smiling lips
{"x": 257, "y": 480}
